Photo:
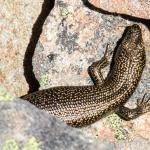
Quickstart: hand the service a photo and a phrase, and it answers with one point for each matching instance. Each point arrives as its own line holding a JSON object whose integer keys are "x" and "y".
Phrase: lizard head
{"x": 133, "y": 35}
{"x": 132, "y": 42}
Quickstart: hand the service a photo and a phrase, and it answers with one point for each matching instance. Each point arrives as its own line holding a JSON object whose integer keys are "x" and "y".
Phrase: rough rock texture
{"x": 20, "y": 122}
{"x": 16, "y": 21}
{"x": 73, "y": 37}
{"x": 135, "y": 8}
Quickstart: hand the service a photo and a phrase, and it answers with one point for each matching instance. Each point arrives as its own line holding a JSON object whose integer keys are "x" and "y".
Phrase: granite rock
{"x": 16, "y": 21}
{"x": 136, "y": 8}
{"x": 24, "y": 126}
{"x": 21, "y": 121}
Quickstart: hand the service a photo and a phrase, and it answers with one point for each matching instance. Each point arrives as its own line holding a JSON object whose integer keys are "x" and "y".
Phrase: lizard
{"x": 80, "y": 106}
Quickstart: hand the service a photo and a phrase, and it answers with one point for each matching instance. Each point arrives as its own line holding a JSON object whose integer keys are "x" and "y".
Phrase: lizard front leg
{"x": 95, "y": 69}
{"x": 127, "y": 114}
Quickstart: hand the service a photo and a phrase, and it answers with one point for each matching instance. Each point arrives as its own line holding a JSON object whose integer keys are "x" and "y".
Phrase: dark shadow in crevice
{"x": 146, "y": 22}
{"x": 33, "y": 83}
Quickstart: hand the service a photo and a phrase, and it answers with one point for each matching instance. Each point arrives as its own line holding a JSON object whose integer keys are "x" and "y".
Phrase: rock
{"x": 16, "y": 21}
{"x": 21, "y": 122}
{"x": 136, "y": 8}
{"x": 23, "y": 126}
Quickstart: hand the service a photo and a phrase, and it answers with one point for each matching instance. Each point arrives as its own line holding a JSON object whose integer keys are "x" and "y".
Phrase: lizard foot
{"x": 96, "y": 67}
{"x": 127, "y": 114}
{"x": 144, "y": 104}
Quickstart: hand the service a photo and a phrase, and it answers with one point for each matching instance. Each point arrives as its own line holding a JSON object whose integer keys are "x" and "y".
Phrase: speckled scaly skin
{"x": 82, "y": 105}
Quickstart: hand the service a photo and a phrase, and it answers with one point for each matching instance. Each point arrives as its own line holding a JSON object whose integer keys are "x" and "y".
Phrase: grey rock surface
{"x": 20, "y": 121}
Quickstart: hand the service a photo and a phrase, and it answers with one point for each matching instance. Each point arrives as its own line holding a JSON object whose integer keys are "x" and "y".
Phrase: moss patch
{"x": 32, "y": 144}
{"x": 63, "y": 9}
{"x": 5, "y": 96}
{"x": 11, "y": 144}
{"x": 43, "y": 80}
{"x": 116, "y": 124}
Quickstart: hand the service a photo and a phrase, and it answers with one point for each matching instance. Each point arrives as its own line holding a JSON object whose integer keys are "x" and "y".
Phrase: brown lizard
{"x": 82, "y": 105}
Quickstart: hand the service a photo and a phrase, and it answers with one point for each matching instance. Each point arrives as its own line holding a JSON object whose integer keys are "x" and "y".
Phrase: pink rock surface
{"x": 137, "y": 8}
{"x": 16, "y": 21}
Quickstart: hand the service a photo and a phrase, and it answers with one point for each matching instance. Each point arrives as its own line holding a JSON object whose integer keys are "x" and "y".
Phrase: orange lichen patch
{"x": 96, "y": 3}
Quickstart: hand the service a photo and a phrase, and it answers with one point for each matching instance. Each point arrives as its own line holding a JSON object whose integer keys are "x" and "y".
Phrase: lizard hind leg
{"x": 127, "y": 114}
{"x": 95, "y": 69}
